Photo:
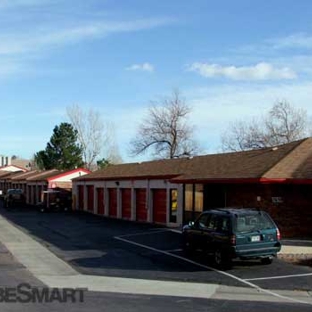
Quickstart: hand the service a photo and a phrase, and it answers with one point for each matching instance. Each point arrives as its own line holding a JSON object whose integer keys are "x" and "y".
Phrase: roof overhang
{"x": 243, "y": 181}
{"x": 87, "y": 178}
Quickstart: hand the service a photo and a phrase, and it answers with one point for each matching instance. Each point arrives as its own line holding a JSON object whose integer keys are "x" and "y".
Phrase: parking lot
{"x": 101, "y": 246}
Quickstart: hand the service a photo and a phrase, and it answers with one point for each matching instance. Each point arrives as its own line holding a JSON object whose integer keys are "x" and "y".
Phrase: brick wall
{"x": 292, "y": 212}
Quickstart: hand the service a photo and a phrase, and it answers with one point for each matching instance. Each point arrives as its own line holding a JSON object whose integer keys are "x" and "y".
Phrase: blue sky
{"x": 229, "y": 59}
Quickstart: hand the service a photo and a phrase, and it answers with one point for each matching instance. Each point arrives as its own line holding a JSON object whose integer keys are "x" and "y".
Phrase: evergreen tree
{"x": 62, "y": 152}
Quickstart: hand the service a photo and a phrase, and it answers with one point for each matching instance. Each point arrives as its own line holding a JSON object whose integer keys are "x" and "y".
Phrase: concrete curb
{"x": 296, "y": 254}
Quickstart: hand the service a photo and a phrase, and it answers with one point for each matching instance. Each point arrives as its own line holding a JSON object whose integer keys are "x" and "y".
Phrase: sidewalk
{"x": 54, "y": 272}
{"x": 296, "y": 251}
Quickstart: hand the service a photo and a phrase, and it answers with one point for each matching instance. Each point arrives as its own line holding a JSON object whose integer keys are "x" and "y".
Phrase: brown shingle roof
{"x": 296, "y": 165}
{"x": 44, "y": 175}
{"x": 23, "y": 163}
{"x": 23, "y": 175}
{"x": 150, "y": 169}
{"x": 289, "y": 161}
{"x": 7, "y": 174}
{"x": 239, "y": 165}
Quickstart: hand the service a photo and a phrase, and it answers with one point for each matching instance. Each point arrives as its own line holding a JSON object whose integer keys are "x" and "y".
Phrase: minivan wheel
{"x": 267, "y": 260}
{"x": 221, "y": 260}
{"x": 187, "y": 249}
{"x": 217, "y": 257}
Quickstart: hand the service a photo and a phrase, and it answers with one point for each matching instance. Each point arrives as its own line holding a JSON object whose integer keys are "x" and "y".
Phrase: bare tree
{"x": 93, "y": 133}
{"x": 282, "y": 124}
{"x": 166, "y": 130}
{"x": 285, "y": 123}
{"x": 243, "y": 135}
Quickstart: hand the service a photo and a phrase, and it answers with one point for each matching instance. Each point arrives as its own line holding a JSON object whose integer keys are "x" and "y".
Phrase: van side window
{"x": 203, "y": 221}
{"x": 225, "y": 225}
{"x": 219, "y": 224}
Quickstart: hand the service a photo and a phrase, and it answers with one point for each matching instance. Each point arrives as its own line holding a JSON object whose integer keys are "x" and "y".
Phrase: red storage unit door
{"x": 33, "y": 194}
{"x": 160, "y": 206}
{"x": 80, "y": 197}
{"x": 141, "y": 212}
{"x": 29, "y": 194}
{"x": 90, "y": 192}
{"x": 38, "y": 197}
{"x": 112, "y": 198}
{"x": 100, "y": 200}
{"x": 126, "y": 203}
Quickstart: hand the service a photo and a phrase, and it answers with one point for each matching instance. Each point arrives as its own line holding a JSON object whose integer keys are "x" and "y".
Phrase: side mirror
{"x": 191, "y": 223}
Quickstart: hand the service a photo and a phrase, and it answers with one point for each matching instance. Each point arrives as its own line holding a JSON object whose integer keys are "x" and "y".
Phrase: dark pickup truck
{"x": 13, "y": 196}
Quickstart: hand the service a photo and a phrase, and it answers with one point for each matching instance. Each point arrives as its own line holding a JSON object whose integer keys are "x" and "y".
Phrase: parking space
{"x": 101, "y": 246}
{"x": 278, "y": 275}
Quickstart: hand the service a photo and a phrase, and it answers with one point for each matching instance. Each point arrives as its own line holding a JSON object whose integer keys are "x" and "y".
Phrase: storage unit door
{"x": 28, "y": 194}
{"x": 33, "y": 195}
{"x": 126, "y": 203}
{"x": 100, "y": 200}
{"x": 141, "y": 212}
{"x": 80, "y": 197}
{"x": 38, "y": 197}
{"x": 112, "y": 198}
{"x": 90, "y": 192}
{"x": 160, "y": 206}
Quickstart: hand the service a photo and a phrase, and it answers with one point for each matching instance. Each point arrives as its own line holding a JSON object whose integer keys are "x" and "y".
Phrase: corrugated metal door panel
{"x": 112, "y": 198}
{"x": 38, "y": 196}
{"x": 126, "y": 203}
{"x": 100, "y": 200}
{"x": 141, "y": 212}
{"x": 160, "y": 206}
{"x": 80, "y": 197}
{"x": 90, "y": 192}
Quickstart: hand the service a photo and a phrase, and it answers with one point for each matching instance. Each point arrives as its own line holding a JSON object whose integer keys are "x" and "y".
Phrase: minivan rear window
{"x": 253, "y": 222}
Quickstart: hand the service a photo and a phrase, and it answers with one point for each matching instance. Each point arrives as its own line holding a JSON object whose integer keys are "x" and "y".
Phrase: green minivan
{"x": 227, "y": 234}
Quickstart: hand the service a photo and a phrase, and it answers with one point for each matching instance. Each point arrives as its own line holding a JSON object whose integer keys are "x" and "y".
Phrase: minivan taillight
{"x": 233, "y": 240}
{"x": 278, "y": 234}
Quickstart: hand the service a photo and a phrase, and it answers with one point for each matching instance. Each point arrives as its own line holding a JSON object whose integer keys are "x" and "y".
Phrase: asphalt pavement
{"x": 71, "y": 250}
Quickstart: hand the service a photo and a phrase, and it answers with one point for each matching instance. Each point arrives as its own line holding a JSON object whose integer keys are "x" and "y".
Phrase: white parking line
{"x": 175, "y": 231}
{"x": 175, "y": 250}
{"x": 277, "y": 277}
{"x": 215, "y": 270}
{"x": 151, "y": 231}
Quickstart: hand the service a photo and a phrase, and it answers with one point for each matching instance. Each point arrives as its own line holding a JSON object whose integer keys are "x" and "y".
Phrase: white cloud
{"x": 141, "y": 67}
{"x": 33, "y": 41}
{"x": 16, "y": 49}
{"x": 296, "y": 42}
{"x": 18, "y": 3}
{"x": 214, "y": 108}
{"x": 299, "y": 40}
{"x": 260, "y": 71}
